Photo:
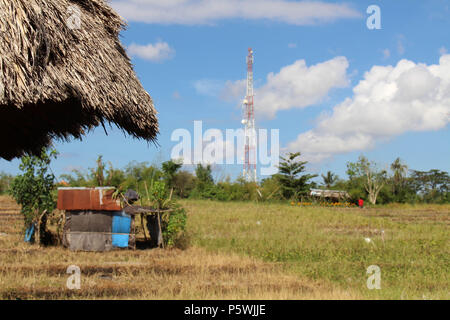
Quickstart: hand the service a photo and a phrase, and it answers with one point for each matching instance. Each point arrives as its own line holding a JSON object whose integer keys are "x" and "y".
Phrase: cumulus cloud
{"x": 294, "y": 86}
{"x": 234, "y": 90}
{"x": 299, "y": 86}
{"x": 387, "y": 102}
{"x": 194, "y": 12}
{"x": 157, "y": 52}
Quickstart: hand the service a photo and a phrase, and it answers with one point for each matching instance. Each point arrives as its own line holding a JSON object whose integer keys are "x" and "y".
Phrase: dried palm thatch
{"x": 57, "y": 81}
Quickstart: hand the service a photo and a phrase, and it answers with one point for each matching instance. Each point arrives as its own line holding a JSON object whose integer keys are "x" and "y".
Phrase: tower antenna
{"x": 248, "y": 121}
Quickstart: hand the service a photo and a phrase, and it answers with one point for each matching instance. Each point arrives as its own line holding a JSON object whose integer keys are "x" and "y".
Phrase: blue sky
{"x": 336, "y": 90}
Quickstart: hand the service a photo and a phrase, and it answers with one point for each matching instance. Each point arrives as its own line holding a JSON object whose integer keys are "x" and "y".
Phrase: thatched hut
{"x": 64, "y": 71}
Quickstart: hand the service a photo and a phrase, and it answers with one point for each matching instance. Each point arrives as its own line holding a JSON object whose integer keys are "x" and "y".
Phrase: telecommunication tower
{"x": 248, "y": 121}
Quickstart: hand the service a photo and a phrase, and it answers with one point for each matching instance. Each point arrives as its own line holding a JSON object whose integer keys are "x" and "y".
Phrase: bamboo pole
{"x": 160, "y": 231}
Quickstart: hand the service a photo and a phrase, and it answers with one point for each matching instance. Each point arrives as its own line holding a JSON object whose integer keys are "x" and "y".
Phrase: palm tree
{"x": 329, "y": 180}
{"x": 399, "y": 170}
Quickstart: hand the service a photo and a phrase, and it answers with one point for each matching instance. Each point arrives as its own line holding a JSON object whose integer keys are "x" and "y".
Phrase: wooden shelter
{"x": 64, "y": 71}
{"x": 96, "y": 221}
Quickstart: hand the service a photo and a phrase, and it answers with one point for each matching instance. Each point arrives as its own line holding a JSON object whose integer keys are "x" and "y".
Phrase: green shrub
{"x": 33, "y": 189}
{"x": 173, "y": 224}
{"x": 174, "y": 228}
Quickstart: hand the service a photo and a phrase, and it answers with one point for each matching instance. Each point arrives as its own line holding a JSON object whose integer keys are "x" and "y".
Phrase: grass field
{"x": 248, "y": 251}
{"x": 329, "y": 244}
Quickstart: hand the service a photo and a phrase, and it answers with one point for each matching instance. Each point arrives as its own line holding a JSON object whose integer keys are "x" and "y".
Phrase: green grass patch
{"x": 409, "y": 243}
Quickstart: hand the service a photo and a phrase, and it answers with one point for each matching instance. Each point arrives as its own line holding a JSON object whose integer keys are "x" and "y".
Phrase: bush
{"x": 173, "y": 221}
{"x": 33, "y": 189}
{"x": 174, "y": 228}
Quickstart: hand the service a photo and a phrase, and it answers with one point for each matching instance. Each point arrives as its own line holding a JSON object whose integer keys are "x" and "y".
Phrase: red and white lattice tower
{"x": 248, "y": 121}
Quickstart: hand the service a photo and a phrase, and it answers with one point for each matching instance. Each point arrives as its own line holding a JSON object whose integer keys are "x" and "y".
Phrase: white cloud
{"x": 292, "y": 45}
{"x": 300, "y": 86}
{"x": 153, "y": 52}
{"x": 442, "y": 51}
{"x": 389, "y": 101}
{"x": 194, "y": 12}
{"x": 234, "y": 90}
{"x": 294, "y": 86}
{"x": 386, "y": 53}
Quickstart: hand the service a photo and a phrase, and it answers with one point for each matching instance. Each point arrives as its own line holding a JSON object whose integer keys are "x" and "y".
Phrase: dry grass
{"x": 150, "y": 274}
{"x": 29, "y": 272}
{"x": 7, "y": 203}
{"x": 248, "y": 251}
{"x": 409, "y": 243}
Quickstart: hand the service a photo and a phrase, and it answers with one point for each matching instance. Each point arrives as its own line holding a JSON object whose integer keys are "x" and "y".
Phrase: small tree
{"x": 204, "y": 183}
{"x": 204, "y": 174}
{"x": 373, "y": 178}
{"x": 98, "y": 173}
{"x": 293, "y": 184}
{"x": 183, "y": 184}
{"x": 172, "y": 223}
{"x": 169, "y": 169}
{"x": 329, "y": 180}
{"x": 33, "y": 188}
{"x": 399, "y": 173}
{"x": 432, "y": 185}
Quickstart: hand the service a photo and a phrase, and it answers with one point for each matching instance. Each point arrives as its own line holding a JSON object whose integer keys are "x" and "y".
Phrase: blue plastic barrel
{"x": 121, "y": 228}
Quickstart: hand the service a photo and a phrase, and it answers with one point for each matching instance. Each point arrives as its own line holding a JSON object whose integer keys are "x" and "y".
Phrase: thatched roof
{"x": 57, "y": 81}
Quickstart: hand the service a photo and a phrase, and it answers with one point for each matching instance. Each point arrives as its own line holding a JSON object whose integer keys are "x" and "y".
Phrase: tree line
{"x": 365, "y": 179}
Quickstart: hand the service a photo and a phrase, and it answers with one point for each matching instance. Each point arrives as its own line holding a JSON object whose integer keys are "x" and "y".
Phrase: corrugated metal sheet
{"x": 98, "y": 230}
{"x": 94, "y": 220}
{"x": 89, "y": 241}
{"x": 88, "y": 199}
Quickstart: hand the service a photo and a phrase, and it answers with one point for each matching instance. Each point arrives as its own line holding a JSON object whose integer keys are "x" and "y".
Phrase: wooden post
{"x": 143, "y": 226}
{"x": 38, "y": 228}
{"x": 160, "y": 231}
